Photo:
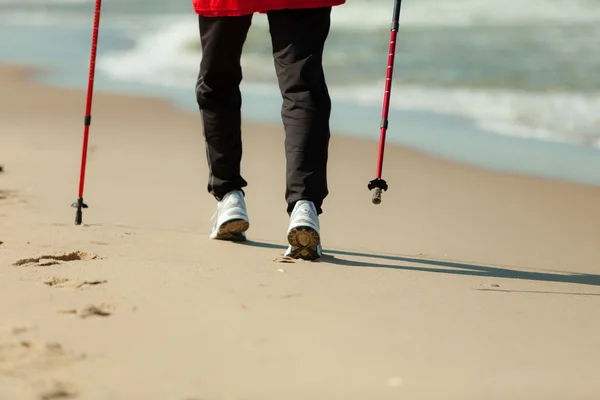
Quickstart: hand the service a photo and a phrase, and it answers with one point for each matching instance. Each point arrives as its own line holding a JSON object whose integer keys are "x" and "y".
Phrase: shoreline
{"x": 449, "y": 137}
{"x": 461, "y": 141}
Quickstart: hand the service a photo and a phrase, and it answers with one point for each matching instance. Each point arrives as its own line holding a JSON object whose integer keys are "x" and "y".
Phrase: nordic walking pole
{"x": 79, "y": 204}
{"x": 378, "y": 183}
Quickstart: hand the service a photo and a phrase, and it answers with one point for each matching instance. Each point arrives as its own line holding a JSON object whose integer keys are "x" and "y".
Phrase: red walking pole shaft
{"x": 79, "y": 204}
{"x": 386, "y": 98}
{"x": 378, "y": 183}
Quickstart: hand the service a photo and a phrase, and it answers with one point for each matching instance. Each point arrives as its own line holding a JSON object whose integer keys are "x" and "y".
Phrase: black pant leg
{"x": 219, "y": 99}
{"x": 298, "y": 37}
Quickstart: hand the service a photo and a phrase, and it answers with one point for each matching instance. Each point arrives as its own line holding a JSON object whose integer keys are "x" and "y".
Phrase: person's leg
{"x": 220, "y": 102}
{"x": 298, "y": 37}
{"x": 219, "y": 99}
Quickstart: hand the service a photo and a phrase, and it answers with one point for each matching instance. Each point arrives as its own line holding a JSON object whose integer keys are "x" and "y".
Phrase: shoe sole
{"x": 304, "y": 241}
{"x": 233, "y": 230}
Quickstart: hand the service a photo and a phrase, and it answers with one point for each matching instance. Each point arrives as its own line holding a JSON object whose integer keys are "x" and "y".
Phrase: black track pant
{"x": 298, "y": 38}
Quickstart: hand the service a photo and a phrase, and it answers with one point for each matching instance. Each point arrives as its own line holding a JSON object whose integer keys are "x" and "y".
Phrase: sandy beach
{"x": 463, "y": 284}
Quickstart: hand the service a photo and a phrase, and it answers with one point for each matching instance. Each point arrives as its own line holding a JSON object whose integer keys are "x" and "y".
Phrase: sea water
{"x": 512, "y": 85}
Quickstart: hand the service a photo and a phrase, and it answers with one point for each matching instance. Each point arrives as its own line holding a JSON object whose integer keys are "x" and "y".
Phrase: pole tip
{"x": 377, "y": 185}
{"x": 79, "y": 205}
{"x": 78, "y": 216}
{"x": 376, "y": 196}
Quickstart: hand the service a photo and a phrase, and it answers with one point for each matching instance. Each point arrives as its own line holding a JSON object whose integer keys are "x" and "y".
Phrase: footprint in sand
{"x": 54, "y": 390}
{"x": 284, "y": 260}
{"x": 100, "y": 310}
{"x": 16, "y": 328}
{"x": 31, "y": 363}
{"x": 57, "y": 282}
{"x": 11, "y": 196}
{"x": 289, "y": 260}
{"x": 4, "y": 194}
{"x": 98, "y": 243}
{"x": 21, "y": 358}
{"x": 55, "y": 259}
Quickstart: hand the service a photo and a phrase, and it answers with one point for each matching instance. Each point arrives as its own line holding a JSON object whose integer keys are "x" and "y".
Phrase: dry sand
{"x": 463, "y": 284}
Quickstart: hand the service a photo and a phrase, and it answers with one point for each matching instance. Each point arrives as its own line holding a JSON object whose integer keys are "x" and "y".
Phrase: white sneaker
{"x": 231, "y": 218}
{"x": 303, "y": 233}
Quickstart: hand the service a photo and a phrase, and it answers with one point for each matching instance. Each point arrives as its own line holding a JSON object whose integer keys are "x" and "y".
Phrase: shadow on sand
{"x": 447, "y": 267}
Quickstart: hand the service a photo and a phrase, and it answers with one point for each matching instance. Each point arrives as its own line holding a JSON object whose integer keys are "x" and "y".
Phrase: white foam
{"x": 163, "y": 55}
{"x": 556, "y": 116}
{"x": 159, "y": 58}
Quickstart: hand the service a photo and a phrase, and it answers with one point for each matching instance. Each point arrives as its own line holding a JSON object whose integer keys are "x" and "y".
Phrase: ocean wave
{"x": 159, "y": 58}
{"x": 556, "y": 116}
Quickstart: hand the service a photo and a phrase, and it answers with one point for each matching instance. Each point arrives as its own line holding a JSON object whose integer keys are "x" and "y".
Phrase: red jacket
{"x": 221, "y": 8}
